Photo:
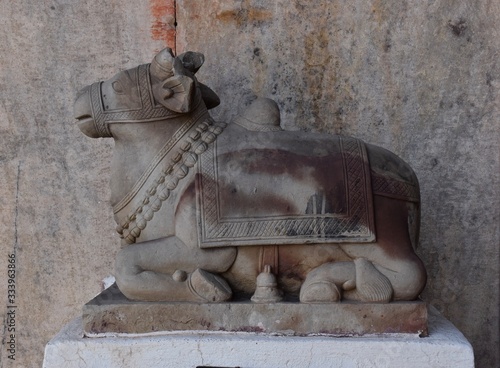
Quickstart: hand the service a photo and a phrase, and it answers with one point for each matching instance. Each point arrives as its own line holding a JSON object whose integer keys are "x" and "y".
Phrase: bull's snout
{"x": 82, "y": 110}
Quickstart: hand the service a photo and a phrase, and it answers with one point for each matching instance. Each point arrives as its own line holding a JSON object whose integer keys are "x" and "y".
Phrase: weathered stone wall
{"x": 420, "y": 80}
{"x": 54, "y": 198}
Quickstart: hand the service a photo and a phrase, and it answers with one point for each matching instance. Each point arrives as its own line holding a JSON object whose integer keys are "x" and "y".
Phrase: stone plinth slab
{"x": 112, "y": 313}
{"x": 444, "y": 347}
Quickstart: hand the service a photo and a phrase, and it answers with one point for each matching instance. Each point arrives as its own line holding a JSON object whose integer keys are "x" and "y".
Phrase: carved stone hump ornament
{"x": 206, "y": 209}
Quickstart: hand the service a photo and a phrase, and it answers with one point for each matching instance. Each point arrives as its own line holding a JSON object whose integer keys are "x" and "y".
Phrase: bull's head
{"x": 162, "y": 90}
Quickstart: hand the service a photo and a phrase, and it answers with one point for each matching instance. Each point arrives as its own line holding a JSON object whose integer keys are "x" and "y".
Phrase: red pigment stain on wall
{"x": 163, "y": 22}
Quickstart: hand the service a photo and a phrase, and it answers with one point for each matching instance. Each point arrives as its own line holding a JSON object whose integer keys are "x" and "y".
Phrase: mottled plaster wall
{"x": 421, "y": 80}
{"x": 54, "y": 197}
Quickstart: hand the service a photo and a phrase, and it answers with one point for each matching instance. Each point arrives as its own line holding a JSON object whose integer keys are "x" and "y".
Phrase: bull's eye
{"x": 117, "y": 87}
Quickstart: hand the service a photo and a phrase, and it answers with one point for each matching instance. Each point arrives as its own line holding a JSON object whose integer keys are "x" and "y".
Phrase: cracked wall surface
{"x": 419, "y": 79}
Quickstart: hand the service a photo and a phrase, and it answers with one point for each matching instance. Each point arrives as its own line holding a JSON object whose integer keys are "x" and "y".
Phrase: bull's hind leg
{"x": 380, "y": 272}
{"x": 167, "y": 270}
{"x": 392, "y": 255}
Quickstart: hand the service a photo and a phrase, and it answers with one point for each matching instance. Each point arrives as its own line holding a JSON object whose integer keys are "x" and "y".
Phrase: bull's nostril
{"x": 168, "y": 92}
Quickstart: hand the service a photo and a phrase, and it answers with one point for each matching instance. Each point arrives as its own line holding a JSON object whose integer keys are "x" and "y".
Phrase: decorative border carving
{"x": 393, "y": 188}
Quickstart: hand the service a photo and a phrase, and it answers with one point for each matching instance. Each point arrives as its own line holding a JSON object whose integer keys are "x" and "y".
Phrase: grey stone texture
{"x": 420, "y": 79}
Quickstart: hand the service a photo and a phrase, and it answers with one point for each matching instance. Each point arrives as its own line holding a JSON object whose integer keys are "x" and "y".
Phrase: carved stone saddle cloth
{"x": 264, "y": 188}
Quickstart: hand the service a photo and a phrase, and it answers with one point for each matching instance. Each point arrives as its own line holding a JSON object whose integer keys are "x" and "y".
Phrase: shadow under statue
{"x": 214, "y": 214}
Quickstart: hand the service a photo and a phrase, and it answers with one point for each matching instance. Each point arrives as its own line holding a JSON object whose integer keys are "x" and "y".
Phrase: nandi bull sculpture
{"x": 205, "y": 209}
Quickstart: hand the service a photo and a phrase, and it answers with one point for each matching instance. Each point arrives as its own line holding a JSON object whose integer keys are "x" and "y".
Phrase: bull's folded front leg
{"x": 167, "y": 270}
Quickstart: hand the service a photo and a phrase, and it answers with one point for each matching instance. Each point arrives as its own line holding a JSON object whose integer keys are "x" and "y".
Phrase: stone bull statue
{"x": 206, "y": 209}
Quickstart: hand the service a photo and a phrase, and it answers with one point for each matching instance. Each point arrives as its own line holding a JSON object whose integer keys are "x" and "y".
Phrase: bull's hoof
{"x": 209, "y": 287}
{"x": 319, "y": 292}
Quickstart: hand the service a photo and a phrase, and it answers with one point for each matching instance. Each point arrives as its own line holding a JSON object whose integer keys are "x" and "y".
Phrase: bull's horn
{"x": 192, "y": 61}
{"x": 162, "y": 64}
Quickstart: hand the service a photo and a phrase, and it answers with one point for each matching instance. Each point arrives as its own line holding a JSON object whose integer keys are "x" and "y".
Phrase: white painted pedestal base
{"x": 445, "y": 347}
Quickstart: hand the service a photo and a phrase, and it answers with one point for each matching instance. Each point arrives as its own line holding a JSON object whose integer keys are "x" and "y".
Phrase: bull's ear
{"x": 192, "y": 61}
{"x": 209, "y": 96}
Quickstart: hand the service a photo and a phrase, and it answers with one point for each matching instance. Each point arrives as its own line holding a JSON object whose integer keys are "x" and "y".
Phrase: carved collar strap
{"x": 173, "y": 144}
{"x": 149, "y": 109}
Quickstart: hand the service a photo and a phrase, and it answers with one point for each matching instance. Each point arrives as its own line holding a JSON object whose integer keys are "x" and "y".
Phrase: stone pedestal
{"x": 110, "y": 313}
{"x": 444, "y": 347}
